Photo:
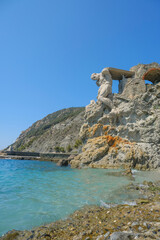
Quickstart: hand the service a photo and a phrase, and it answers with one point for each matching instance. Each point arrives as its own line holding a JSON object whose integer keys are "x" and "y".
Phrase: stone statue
{"x": 104, "y": 81}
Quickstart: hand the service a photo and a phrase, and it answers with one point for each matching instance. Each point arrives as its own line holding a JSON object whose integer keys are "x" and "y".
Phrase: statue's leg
{"x": 104, "y": 91}
{"x": 106, "y": 101}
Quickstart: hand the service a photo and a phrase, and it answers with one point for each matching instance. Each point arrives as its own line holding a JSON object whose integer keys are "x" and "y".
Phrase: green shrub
{"x": 21, "y": 148}
{"x": 69, "y": 148}
{"x": 59, "y": 149}
{"x": 156, "y": 107}
{"x": 62, "y": 149}
{"x": 26, "y": 145}
{"x": 78, "y": 142}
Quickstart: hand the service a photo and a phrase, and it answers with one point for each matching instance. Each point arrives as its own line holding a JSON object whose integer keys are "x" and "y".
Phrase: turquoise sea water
{"x": 33, "y": 193}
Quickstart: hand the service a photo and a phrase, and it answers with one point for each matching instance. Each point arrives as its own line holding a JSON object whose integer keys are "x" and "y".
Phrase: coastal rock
{"x": 127, "y": 172}
{"x": 93, "y": 112}
{"x": 130, "y": 130}
{"x": 115, "y": 152}
{"x": 93, "y": 150}
{"x": 63, "y": 163}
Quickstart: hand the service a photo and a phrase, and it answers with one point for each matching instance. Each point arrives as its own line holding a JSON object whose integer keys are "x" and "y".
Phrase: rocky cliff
{"x": 119, "y": 130}
{"x": 56, "y": 132}
{"x": 123, "y": 129}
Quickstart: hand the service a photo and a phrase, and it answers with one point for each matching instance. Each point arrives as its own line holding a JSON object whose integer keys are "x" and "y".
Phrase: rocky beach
{"x": 135, "y": 220}
{"x": 118, "y": 131}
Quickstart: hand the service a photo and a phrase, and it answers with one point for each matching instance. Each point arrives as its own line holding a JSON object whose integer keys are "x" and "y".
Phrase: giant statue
{"x": 104, "y": 81}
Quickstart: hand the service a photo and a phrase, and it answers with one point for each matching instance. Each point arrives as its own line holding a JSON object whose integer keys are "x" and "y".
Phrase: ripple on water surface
{"x": 34, "y": 192}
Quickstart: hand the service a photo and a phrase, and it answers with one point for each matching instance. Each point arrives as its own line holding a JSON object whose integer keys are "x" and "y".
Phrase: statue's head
{"x": 96, "y": 77}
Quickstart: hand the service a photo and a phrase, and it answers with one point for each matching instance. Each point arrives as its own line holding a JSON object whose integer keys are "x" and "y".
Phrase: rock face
{"x": 128, "y": 134}
{"x": 57, "y": 131}
{"x": 133, "y": 88}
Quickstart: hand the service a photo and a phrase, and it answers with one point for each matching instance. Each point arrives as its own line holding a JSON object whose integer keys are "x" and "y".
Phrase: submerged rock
{"x": 127, "y": 172}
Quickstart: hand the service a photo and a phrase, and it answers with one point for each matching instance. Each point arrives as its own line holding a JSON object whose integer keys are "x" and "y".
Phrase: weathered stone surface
{"x": 93, "y": 112}
{"x": 141, "y": 69}
{"x": 93, "y": 151}
{"x": 107, "y": 151}
{"x": 133, "y": 88}
{"x": 130, "y": 130}
{"x": 122, "y": 84}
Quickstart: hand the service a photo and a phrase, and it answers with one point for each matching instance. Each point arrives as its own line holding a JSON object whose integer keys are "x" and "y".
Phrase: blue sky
{"x": 49, "y": 49}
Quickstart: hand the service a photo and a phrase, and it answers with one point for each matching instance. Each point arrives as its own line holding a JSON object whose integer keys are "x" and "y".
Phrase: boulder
{"x": 62, "y": 163}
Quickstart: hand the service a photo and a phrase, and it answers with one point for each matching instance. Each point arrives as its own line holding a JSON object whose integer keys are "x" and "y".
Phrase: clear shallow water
{"x": 33, "y": 193}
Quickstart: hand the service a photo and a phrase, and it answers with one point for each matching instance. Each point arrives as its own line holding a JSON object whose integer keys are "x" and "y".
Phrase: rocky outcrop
{"x": 142, "y": 69}
{"x": 133, "y": 88}
{"x": 63, "y": 163}
{"x": 128, "y": 134}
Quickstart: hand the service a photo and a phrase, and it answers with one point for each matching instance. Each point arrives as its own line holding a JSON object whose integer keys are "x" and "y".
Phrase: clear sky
{"x": 49, "y": 49}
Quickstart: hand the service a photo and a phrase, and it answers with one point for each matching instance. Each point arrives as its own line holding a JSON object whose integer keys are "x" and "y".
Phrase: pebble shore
{"x": 136, "y": 221}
